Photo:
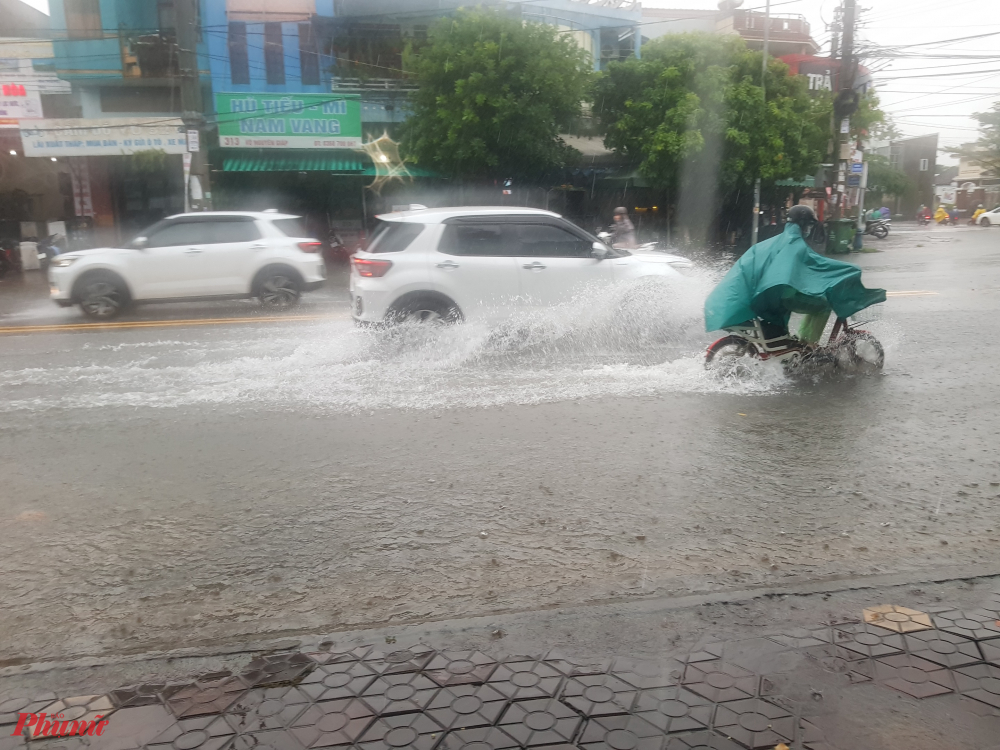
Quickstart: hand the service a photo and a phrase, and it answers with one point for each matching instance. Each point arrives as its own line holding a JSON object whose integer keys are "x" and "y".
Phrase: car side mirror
{"x": 600, "y": 251}
{"x": 140, "y": 243}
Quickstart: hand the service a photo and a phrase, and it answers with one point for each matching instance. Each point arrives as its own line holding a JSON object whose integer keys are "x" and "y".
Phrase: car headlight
{"x": 61, "y": 261}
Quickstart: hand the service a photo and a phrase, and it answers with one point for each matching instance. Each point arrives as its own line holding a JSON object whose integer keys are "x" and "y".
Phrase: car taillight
{"x": 371, "y": 268}
{"x": 312, "y": 246}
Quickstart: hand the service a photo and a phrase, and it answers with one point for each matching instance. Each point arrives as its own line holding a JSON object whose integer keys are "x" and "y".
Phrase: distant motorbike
{"x": 878, "y": 228}
{"x": 849, "y": 348}
{"x": 49, "y": 248}
{"x": 923, "y": 219}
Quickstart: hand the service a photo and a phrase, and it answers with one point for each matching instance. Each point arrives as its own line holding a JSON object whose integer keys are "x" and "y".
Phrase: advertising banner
{"x": 111, "y": 137}
{"x": 289, "y": 121}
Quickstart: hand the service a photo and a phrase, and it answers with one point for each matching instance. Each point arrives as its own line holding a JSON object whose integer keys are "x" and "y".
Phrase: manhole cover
{"x": 467, "y": 704}
{"x": 401, "y": 737}
{"x": 621, "y": 739}
{"x": 539, "y": 721}
{"x": 191, "y": 740}
{"x": 599, "y": 694}
{"x": 525, "y": 679}
{"x": 332, "y": 723}
{"x": 400, "y": 692}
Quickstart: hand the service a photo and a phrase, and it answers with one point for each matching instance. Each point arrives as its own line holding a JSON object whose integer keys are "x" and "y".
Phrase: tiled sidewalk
{"x": 791, "y": 689}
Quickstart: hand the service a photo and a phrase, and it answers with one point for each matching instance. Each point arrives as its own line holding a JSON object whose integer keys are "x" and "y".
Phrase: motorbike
{"x": 849, "y": 348}
{"x": 49, "y": 248}
{"x": 923, "y": 219}
{"x": 646, "y": 247}
{"x": 878, "y": 228}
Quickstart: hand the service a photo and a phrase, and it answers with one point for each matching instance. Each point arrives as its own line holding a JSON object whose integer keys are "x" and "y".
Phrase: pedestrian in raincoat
{"x": 623, "y": 234}
{"x": 783, "y": 275}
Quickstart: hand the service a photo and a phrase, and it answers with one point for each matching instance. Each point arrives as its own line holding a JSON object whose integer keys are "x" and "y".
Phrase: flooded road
{"x": 176, "y": 486}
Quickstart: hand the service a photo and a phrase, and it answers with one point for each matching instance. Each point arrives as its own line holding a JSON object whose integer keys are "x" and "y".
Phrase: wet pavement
{"x": 205, "y": 485}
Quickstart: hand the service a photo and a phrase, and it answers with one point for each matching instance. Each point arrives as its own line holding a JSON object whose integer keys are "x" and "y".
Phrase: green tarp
{"x": 783, "y": 275}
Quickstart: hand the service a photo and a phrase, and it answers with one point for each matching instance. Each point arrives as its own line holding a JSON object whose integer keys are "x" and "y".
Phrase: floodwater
{"x": 166, "y": 489}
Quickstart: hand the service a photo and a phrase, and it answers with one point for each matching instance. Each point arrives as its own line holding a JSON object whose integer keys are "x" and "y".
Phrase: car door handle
{"x": 536, "y": 266}
{"x": 192, "y": 250}
{"x": 258, "y": 246}
{"x": 448, "y": 265}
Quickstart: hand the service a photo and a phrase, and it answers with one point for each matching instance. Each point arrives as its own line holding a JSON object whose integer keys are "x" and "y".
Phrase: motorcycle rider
{"x": 623, "y": 232}
{"x": 783, "y": 275}
{"x": 979, "y": 212}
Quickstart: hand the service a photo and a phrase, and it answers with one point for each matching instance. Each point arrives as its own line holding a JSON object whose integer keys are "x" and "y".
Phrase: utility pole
{"x": 845, "y": 104}
{"x": 763, "y": 89}
{"x": 192, "y": 107}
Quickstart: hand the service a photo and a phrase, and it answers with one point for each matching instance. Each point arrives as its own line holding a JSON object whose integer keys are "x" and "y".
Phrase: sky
{"x": 923, "y": 94}
{"x": 936, "y": 87}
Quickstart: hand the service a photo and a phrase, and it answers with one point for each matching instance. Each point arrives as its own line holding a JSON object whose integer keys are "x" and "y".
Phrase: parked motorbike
{"x": 878, "y": 228}
{"x": 49, "y": 248}
{"x": 849, "y": 348}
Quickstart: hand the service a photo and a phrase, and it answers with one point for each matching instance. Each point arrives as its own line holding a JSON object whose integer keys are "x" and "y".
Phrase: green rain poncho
{"x": 783, "y": 275}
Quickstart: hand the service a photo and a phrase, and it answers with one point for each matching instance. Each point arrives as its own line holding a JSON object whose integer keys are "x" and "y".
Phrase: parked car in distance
{"x": 212, "y": 255}
{"x": 990, "y": 218}
{"x": 451, "y": 264}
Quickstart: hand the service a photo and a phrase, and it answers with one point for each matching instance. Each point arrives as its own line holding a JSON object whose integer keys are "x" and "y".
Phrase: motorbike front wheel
{"x": 727, "y": 351}
{"x": 860, "y": 353}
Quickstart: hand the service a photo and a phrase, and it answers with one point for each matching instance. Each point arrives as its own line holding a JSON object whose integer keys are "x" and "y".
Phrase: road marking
{"x": 915, "y": 293}
{"x": 159, "y": 323}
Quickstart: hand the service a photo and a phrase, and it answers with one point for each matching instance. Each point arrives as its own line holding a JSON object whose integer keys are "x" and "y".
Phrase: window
{"x": 474, "y": 239}
{"x": 176, "y": 233}
{"x": 239, "y": 62}
{"x": 923, "y": 165}
{"x": 274, "y": 54}
{"x": 548, "y": 241}
{"x": 393, "y": 236}
{"x": 308, "y": 58}
{"x": 291, "y": 227}
{"x": 83, "y": 19}
{"x": 233, "y": 230}
{"x": 142, "y": 99}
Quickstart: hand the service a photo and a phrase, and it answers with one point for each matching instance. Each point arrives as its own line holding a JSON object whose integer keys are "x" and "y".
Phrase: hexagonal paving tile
{"x": 900, "y": 619}
{"x": 417, "y": 731}
{"x": 131, "y": 696}
{"x": 63, "y": 714}
{"x": 719, "y": 681}
{"x": 266, "y": 708}
{"x": 483, "y": 738}
{"x": 540, "y": 722}
{"x": 460, "y": 668}
{"x": 12, "y": 707}
{"x": 946, "y": 649}
{"x": 208, "y": 695}
{"x": 647, "y": 674}
{"x": 277, "y": 669}
{"x": 523, "y": 680}
{"x": 913, "y": 676}
{"x": 400, "y": 693}
{"x": 755, "y": 723}
{"x": 977, "y": 624}
{"x": 706, "y": 740}
{"x": 467, "y": 706}
{"x": 708, "y": 652}
{"x": 674, "y": 709}
{"x": 620, "y": 733}
{"x": 332, "y": 723}
{"x": 802, "y": 637}
{"x": 411, "y": 659}
{"x": 338, "y": 679}
{"x": 868, "y": 640}
{"x": 991, "y": 651}
{"x": 199, "y": 733}
{"x": 598, "y": 695}
{"x": 980, "y": 682}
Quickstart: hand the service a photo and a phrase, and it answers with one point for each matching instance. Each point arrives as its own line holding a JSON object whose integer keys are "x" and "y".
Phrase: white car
{"x": 450, "y": 264}
{"x": 212, "y": 255}
{"x": 990, "y": 218}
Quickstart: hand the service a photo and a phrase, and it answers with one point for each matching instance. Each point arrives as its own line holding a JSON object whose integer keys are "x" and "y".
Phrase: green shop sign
{"x": 289, "y": 120}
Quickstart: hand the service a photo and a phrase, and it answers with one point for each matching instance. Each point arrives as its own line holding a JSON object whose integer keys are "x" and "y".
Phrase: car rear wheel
{"x": 279, "y": 290}
{"x": 425, "y": 310}
{"x": 102, "y": 297}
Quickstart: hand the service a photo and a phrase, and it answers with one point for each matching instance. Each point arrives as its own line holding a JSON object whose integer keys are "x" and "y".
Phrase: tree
{"x": 691, "y": 116}
{"x": 494, "y": 94}
{"x": 985, "y": 152}
{"x": 884, "y": 179}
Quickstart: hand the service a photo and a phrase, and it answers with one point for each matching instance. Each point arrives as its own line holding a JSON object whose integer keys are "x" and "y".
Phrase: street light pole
{"x": 763, "y": 89}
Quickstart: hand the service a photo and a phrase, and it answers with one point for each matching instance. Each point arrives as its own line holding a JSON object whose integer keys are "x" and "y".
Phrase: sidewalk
{"x": 909, "y": 674}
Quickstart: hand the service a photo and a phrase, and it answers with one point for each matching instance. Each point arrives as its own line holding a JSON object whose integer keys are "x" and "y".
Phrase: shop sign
{"x": 290, "y": 121}
{"x": 18, "y": 102}
{"x": 110, "y": 137}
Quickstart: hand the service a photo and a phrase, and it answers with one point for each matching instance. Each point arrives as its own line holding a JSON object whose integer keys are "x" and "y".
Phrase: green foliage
{"x": 148, "y": 160}
{"x": 985, "y": 152}
{"x": 885, "y": 180}
{"x": 691, "y": 110}
{"x": 494, "y": 94}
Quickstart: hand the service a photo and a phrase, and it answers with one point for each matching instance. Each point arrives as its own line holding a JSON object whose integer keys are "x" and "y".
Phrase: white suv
{"x": 213, "y": 255}
{"x": 466, "y": 263}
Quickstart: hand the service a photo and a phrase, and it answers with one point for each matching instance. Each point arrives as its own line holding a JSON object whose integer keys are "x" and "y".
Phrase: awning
{"x": 805, "y": 182}
{"x": 320, "y": 161}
